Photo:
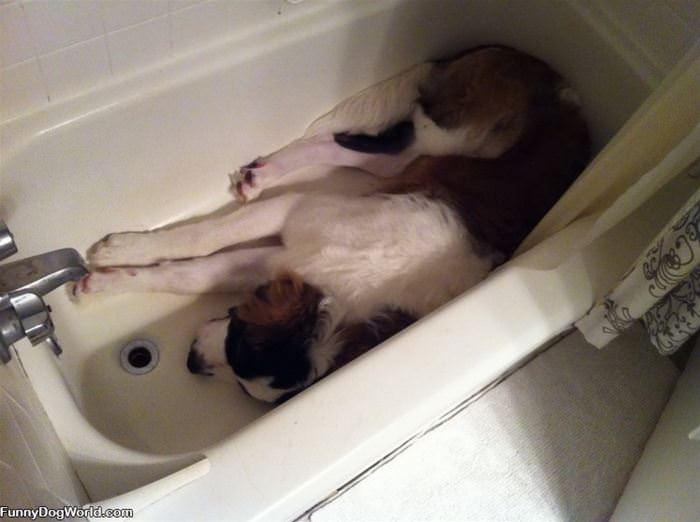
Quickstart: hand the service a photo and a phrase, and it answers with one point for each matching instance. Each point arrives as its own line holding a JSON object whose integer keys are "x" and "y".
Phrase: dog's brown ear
{"x": 280, "y": 301}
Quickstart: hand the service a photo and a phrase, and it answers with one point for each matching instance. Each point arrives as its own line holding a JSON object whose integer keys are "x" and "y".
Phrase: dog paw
{"x": 128, "y": 248}
{"x": 106, "y": 279}
{"x": 247, "y": 182}
{"x": 74, "y": 292}
{"x": 78, "y": 290}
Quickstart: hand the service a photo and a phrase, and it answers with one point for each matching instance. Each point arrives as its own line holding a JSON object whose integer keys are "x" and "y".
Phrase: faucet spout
{"x": 42, "y": 273}
{"x": 23, "y": 312}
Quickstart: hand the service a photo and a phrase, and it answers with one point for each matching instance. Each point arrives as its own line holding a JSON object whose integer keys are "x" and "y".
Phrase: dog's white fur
{"x": 375, "y": 108}
{"x": 404, "y": 251}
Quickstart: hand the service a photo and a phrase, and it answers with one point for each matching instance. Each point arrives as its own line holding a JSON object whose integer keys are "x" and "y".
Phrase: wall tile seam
{"x": 35, "y": 49}
{"x": 38, "y": 56}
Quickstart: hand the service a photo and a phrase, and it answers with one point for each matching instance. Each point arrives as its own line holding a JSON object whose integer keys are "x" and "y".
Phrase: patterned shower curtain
{"x": 662, "y": 289}
{"x": 658, "y": 148}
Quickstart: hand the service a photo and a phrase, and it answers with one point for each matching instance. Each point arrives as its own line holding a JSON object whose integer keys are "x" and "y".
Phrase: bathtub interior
{"x": 138, "y": 159}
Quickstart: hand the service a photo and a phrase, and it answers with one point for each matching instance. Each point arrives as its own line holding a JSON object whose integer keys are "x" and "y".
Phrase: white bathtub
{"x": 156, "y": 149}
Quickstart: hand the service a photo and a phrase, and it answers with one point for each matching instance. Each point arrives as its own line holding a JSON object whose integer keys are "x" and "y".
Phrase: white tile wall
{"x": 54, "y": 25}
{"x": 34, "y": 468}
{"x": 51, "y": 50}
{"x": 118, "y": 14}
{"x": 15, "y": 45}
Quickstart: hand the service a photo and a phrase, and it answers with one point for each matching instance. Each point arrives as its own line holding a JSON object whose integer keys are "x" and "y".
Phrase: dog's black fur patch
{"x": 279, "y": 351}
{"x": 195, "y": 362}
{"x": 393, "y": 140}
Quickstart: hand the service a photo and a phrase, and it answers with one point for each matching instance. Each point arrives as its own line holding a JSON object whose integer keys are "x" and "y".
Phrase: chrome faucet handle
{"x": 10, "y": 328}
{"x": 7, "y": 241}
{"x": 25, "y": 315}
{"x": 33, "y": 315}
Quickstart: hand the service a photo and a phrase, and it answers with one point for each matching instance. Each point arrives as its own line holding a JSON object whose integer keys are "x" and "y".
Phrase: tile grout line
{"x": 35, "y": 49}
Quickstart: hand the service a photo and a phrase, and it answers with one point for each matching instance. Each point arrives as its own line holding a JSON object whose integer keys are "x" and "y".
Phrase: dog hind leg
{"x": 376, "y": 108}
{"x": 233, "y": 271}
{"x": 263, "y": 219}
{"x": 370, "y": 130}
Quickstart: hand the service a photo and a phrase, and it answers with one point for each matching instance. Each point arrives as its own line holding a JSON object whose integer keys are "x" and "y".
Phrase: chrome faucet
{"x": 23, "y": 283}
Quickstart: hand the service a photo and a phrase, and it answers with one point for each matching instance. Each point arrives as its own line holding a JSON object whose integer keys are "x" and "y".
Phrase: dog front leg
{"x": 263, "y": 219}
{"x": 233, "y": 271}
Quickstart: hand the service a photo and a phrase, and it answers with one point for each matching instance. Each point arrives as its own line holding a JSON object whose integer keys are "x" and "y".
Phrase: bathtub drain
{"x": 139, "y": 356}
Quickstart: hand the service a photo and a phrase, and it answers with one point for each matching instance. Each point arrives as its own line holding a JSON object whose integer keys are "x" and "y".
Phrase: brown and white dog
{"x": 475, "y": 151}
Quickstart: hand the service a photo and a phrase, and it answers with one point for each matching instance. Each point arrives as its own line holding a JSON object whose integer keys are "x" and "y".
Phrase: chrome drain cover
{"x": 139, "y": 356}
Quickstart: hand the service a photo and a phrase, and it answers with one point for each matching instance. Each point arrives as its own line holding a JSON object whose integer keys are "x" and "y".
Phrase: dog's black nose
{"x": 195, "y": 361}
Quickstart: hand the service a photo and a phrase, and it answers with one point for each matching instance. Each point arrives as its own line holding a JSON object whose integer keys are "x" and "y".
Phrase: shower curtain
{"x": 662, "y": 288}
{"x": 658, "y": 147}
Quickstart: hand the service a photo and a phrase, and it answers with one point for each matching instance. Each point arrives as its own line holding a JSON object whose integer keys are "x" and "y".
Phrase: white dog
{"x": 475, "y": 151}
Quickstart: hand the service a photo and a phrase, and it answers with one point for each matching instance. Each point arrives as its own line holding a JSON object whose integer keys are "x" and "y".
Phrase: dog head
{"x": 276, "y": 343}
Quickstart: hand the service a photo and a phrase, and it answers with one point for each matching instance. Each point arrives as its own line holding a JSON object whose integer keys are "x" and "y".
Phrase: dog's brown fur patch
{"x": 501, "y": 200}
{"x": 280, "y": 301}
{"x": 489, "y": 90}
